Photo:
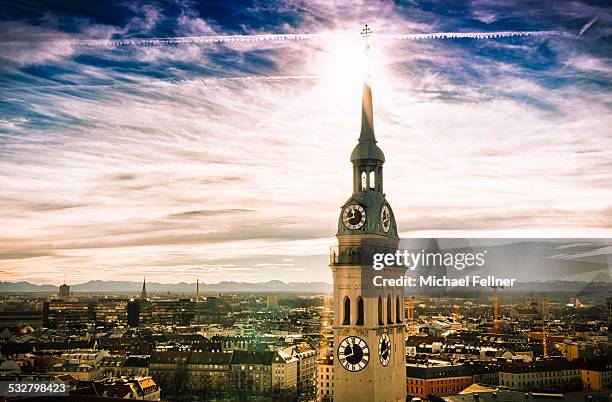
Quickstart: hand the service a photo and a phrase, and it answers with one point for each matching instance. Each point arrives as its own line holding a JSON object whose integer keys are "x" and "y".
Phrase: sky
{"x": 230, "y": 160}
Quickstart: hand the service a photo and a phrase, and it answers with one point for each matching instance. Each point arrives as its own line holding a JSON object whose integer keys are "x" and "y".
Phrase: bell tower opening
{"x": 347, "y": 311}
{"x": 359, "y": 311}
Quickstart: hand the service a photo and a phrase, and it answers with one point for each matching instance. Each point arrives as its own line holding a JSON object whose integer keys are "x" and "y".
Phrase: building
{"x": 251, "y": 373}
{"x": 196, "y": 374}
{"x": 480, "y": 393}
{"x": 368, "y": 324}
{"x": 306, "y": 357}
{"x": 169, "y": 370}
{"x": 325, "y": 378}
{"x": 558, "y": 375}
{"x": 18, "y": 314}
{"x": 112, "y": 366}
{"x": 224, "y": 375}
{"x": 108, "y": 311}
{"x": 80, "y": 372}
{"x": 133, "y": 313}
{"x": 272, "y": 302}
{"x": 208, "y": 374}
{"x": 125, "y": 345}
{"x": 137, "y": 366}
{"x": 596, "y": 374}
{"x": 434, "y": 379}
{"x": 486, "y": 372}
{"x": 84, "y": 356}
{"x": 142, "y": 388}
{"x": 229, "y": 342}
{"x": 167, "y": 312}
{"x": 573, "y": 349}
{"x": 214, "y": 310}
{"x": 81, "y": 364}
{"x": 67, "y": 314}
{"x": 284, "y": 371}
{"x": 124, "y": 366}
{"x": 525, "y": 313}
{"x": 64, "y": 291}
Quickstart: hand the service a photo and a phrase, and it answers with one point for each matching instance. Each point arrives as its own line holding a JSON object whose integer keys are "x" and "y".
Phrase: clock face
{"x": 353, "y": 353}
{"x": 385, "y": 218}
{"x": 384, "y": 349}
{"x": 354, "y": 216}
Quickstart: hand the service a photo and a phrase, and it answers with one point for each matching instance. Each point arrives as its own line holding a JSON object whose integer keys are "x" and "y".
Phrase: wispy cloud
{"x": 146, "y": 163}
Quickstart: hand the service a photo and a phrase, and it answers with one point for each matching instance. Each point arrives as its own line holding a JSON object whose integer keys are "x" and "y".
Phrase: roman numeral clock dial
{"x": 385, "y": 218}
{"x": 353, "y": 353}
{"x": 354, "y": 216}
{"x": 384, "y": 349}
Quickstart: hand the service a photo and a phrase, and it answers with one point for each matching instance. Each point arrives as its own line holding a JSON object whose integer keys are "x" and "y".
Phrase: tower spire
{"x": 143, "y": 294}
{"x": 367, "y": 149}
{"x": 367, "y": 113}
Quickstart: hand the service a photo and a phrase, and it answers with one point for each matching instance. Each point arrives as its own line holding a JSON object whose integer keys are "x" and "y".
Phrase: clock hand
{"x": 352, "y": 351}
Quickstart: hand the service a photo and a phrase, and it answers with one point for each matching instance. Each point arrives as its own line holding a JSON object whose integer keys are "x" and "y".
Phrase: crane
{"x": 544, "y": 341}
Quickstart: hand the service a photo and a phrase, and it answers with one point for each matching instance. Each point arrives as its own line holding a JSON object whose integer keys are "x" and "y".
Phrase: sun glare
{"x": 344, "y": 60}
{"x": 345, "y": 63}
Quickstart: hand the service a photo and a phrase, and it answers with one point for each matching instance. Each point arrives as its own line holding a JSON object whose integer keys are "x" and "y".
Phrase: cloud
{"x": 146, "y": 18}
{"x": 29, "y": 44}
{"x": 188, "y": 214}
{"x": 148, "y": 162}
{"x": 20, "y": 255}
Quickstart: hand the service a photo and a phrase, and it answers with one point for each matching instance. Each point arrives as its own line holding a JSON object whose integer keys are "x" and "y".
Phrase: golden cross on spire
{"x": 366, "y": 32}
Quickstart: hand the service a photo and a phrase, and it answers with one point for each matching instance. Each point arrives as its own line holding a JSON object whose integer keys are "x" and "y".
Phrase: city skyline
{"x": 121, "y": 162}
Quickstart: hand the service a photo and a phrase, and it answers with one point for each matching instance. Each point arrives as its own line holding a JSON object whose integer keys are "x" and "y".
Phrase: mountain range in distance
{"x": 181, "y": 287}
{"x": 98, "y": 286}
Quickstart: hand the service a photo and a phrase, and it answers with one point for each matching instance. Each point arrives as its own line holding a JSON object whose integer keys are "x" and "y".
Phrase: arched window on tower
{"x": 359, "y": 311}
{"x": 380, "y": 311}
{"x": 347, "y": 311}
{"x": 389, "y": 310}
{"x": 364, "y": 180}
{"x": 399, "y": 309}
{"x": 372, "y": 179}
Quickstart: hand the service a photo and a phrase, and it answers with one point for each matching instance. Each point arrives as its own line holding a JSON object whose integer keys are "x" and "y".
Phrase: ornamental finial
{"x": 366, "y": 32}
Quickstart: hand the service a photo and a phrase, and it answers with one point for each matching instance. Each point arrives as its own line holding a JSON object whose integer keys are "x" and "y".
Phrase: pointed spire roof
{"x": 367, "y": 115}
{"x": 143, "y": 294}
{"x": 367, "y": 148}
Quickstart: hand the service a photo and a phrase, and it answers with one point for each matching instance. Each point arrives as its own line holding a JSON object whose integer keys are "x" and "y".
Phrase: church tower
{"x": 143, "y": 293}
{"x": 369, "y": 330}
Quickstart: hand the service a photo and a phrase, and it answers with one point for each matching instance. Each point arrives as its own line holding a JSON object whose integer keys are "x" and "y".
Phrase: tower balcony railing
{"x": 356, "y": 254}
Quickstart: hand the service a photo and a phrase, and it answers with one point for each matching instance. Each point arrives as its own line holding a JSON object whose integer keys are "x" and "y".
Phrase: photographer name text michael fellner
{"x": 443, "y": 281}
